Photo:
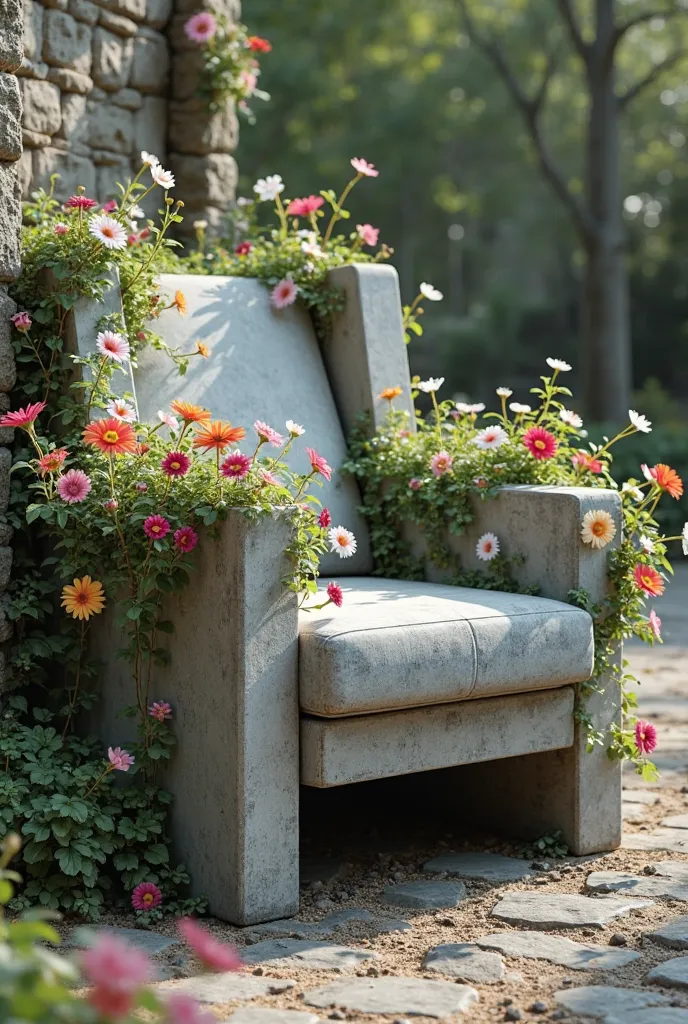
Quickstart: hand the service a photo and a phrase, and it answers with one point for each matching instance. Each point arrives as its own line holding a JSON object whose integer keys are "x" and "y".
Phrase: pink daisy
{"x": 160, "y": 710}
{"x": 656, "y": 624}
{"x": 368, "y": 234}
{"x": 213, "y": 954}
{"x": 362, "y": 166}
{"x": 269, "y": 478}
{"x": 645, "y": 737}
{"x": 80, "y": 203}
{"x": 61, "y": 228}
{"x": 284, "y": 293}
{"x": 325, "y": 519}
{"x": 236, "y": 466}
{"x": 415, "y": 484}
{"x": 304, "y": 207}
{"x": 121, "y": 410}
{"x": 22, "y": 321}
{"x": 335, "y": 594}
{"x": 540, "y": 443}
{"x": 146, "y": 896}
{"x": 319, "y": 464}
{"x": 117, "y": 971}
{"x": 110, "y": 206}
{"x": 156, "y": 527}
{"x": 113, "y": 346}
{"x": 181, "y": 1008}
{"x": 175, "y": 464}
{"x": 441, "y": 463}
{"x": 201, "y": 27}
{"x": 73, "y": 486}
{"x": 185, "y": 539}
{"x": 23, "y": 417}
{"x": 267, "y": 435}
{"x": 121, "y": 760}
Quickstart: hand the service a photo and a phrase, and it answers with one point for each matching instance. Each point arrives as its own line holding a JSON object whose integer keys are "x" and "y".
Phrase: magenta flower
{"x": 319, "y": 464}
{"x": 73, "y": 486}
{"x": 304, "y": 207}
{"x": 213, "y": 954}
{"x": 269, "y": 478}
{"x": 236, "y": 466}
{"x": 185, "y": 539}
{"x": 121, "y": 760}
{"x": 111, "y": 505}
{"x": 645, "y": 737}
{"x": 362, "y": 166}
{"x": 325, "y": 519}
{"x": 175, "y": 464}
{"x": 22, "y": 321}
{"x": 415, "y": 484}
{"x": 656, "y": 624}
{"x": 181, "y": 1008}
{"x": 441, "y": 463}
{"x": 284, "y": 293}
{"x": 160, "y": 710}
{"x": 146, "y": 896}
{"x": 368, "y": 234}
{"x": 141, "y": 487}
{"x": 335, "y": 594}
{"x": 110, "y": 206}
{"x": 23, "y": 417}
{"x": 80, "y": 203}
{"x": 156, "y": 527}
{"x": 201, "y": 27}
{"x": 117, "y": 972}
{"x": 61, "y": 228}
{"x": 267, "y": 435}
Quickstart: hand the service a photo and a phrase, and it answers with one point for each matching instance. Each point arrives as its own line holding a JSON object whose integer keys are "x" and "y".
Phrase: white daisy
{"x": 634, "y": 492}
{"x": 113, "y": 346}
{"x": 136, "y": 211}
{"x": 504, "y": 392}
{"x": 295, "y": 429}
{"x": 518, "y": 407}
{"x": 467, "y": 407}
{"x": 491, "y": 437}
{"x": 430, "y": 293}
{"x": 572, "y": 419}
{"x": 558, "y": 364}
{"x": 684, "y": 539}
{"x": 342, "y": 541}
{"x": 149, "y": 158}
{"x": 431, "y": 384}
{"x": 121, "y": 410}
{"x": 487, "y": 547}
{"x": 647, "y": 472}
{"x": 161, "y": 177}
{"x": 200, "y": 225}
{"x": 108, "y": 231}
{"x": 646, "y": 544}
{"x": 269, "y": 188}
{"x": 598, "y": 528}
{"x": 641, "y": 423}
{"x": 311, "y": 249}
{"x": 168, "y": 419}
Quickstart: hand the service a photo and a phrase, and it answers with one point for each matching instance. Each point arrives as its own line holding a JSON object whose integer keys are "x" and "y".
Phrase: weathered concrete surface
{"x": 564, "y": 910}
{"x": 415, "y": 996}
{"x": 465, "y": 962}
{"x": 486, "y": 867}
{"x": 226, "y": 987}
{"x": 578, "y": 956}
{"x": 307, "y": 954}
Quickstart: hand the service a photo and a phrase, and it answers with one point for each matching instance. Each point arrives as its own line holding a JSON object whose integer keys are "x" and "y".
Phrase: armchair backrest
{"x": 266, "y": 364}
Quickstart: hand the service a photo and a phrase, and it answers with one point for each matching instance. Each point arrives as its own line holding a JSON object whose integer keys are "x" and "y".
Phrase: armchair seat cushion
{"x": 395, "y": 644}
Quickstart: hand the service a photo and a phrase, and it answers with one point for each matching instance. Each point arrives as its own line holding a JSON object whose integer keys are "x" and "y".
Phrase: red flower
{"x": 218, "y": 435}
{"x": 213, "y": 954}
{"x": 335, "y": 594}
{"x": 259, "y": 45}
{"x": 80, "y": 203}
{"x": 649, "y": 580}
{"x": 111, "y": 436}
{"x": 304, "y": 207}
{"x": 582, "y": 460}
{"x": 175, "y": 464}
{"x": 51, "y": 462}
{"x": 319, "y": 464}
{"x": 645, "y": 737}
{"x": 243, "y": 248}
{"x": 156, "y": 527}
{"x": 325, "y": 519}
{"x": 23, "y": 417}
{"x": 185, "y": 539}
{"x": 663, "y": 475}
{"x": 236, "y": 466}
{"x": 540, "y": 443}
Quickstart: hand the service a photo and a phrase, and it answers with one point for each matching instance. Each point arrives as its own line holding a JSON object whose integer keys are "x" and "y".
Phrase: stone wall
{"x": 103, "y": 79}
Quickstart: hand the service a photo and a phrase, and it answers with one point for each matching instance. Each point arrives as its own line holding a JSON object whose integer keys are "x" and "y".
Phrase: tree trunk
{"x": 606, "y": 311}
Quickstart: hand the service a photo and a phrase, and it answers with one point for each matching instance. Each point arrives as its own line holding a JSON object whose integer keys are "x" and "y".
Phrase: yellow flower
{"x": 598, "y": 528}
{"x": 180, "y": 302}
{"x": 202, "y": 349}
{"x": 390, "y": 393}
{"x": 84, "y": 599}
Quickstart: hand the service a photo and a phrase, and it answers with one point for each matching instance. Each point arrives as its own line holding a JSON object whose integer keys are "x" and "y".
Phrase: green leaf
{"x": 69, "y": 860}
{"x": 156, "y": 854}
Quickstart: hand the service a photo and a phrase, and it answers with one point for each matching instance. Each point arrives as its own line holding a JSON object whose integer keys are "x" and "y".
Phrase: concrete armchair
{"x": 405, "y": 677}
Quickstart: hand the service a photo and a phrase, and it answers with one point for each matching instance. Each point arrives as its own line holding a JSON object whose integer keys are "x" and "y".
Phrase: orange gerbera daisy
{"x": 83, "y": 599}
{"x": 112, "y": 436}
{"x": 390, "y": 393}
{"x": 649, "y": 580}
{"x": 217, "y": 435}
{"x": 202, "y": 349}
{"x": 668, "y": 479}
{"x": 180, "y": 302}
{"x": 189, "y": 412}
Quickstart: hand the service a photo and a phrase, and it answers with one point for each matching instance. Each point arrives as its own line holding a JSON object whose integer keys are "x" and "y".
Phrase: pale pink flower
{"x": 110, "y": 206}
{"x": 201, "y": 27}
{"x": 415, "y": 484}
{"x": 121, "y": 410}
{"x": 267, "y": 435}
{"x": 73, "y": 486}
{"x": 160, "y": 710}
{"x": 162, "y": 177}
{"x": 284, "y": 293}
{"x": 656, "y": 624}
{"x": 181, "y": 1008}
{"x": 112, "y": 345}
{"x": 117, "y": 972}
{"x": 269, "y": 478}
{"x": 213, "y": 954}
{"x": 342, "y": 541}
{"x": 362, "y": 166}
{"x": 61, "y": 228}
{"x": 441, "y": 463}
{"x": 491, "y": 437}
{"x": 121, "y": 760}
{"x": 368, "y": 234}
{"x": 148, "y": 158}
{"x": 168, "y": 419}
{"x": 487, "y": 547}
{"x": 108, "y": 231}
{"x": 22, "y": 321}
{"x": 319, "y": 464}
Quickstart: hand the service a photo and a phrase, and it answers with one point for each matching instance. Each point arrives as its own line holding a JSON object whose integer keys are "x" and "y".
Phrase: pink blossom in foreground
{"x": 110, "y": 206}
{"x": 362, "y": 166}
{"x": 117, "y": 972}
{"x": 319, "y": 464}
{"x": 80, "y": 203}
{"x": 22, "y": 321}
{"x": 304, "y": 207}
{"x": 213, "y": 954}
{"x": 335, "y": 594}
{"x": 441, "y": 463}
{"x": 325, "y": 519}
{"x": 236, "y": 466}
{"x": 73, "y": 486}
{"x": 415, "y": 484}
{"x": 181, "y": 1008}
{"x": 185, "y": 539}
{"x": 645, "y": 737}
{"x": 201, "y": 27}
{"x": 160, "y": 710}
{"x": 368, "y": 234}
{"x": 23, "y": 417}
{"x": 156, "y": 527}
{"x": 656, "y": 624}
{"x": 113, "y": 346}
{"x": 267, "y": 435}
{"x": 284, "y": 293}
{"x": 121, "y": 760}
{"x": 176, "y": 464}
{"x": 146, "y": 896}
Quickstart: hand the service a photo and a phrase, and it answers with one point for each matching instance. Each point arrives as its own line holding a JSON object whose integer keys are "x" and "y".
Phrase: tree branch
{"x": 622, "y": 29}
{"x": 652, "y": 75}
{"x": 569, "y": 18}
{"x": 530, "y": 109}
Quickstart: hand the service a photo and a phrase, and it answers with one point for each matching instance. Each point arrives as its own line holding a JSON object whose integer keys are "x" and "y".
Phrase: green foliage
{"x": 548, "y": 847}
{"x": 230, "y": 67}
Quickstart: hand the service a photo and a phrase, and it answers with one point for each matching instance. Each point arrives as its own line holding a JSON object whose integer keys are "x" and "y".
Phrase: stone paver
{"x": 307, "y": 954}
{"x": 416, "y": 996}
{"x": 605, "y": 1001}
{"x": 673, "y": 934}
{"x": 640, "y": 796}
{"x": 268, "y": 1015}
{"x": 563, "y": 910}
{"x": 652, "y": 1015}
{"x": 486, "y": 867}
{"x": 578, "y": 956}
{"x": 671, "y": 879}
{"x": 672, "y": 839}
{"x": 676, "y": 821}
{"x": 672, "y": 973}
{"x": 311, "y": 929}
{"x": 226, "y": 987}
{"x": 465, "y": 961}
{"x": 425, "y": 895}
{"x": 149, "y": 942}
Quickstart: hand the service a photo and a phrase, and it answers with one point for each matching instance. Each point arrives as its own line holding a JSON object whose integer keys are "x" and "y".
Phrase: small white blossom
{"x": 136, "y": 211}
{"x": 431, "y": 384}
{"x": 168, "y": 419}
{"x": 684, "y": 539}
{"x": 149, "y": 158}
{"x": 295, "y": 429}
{"x": 641, "y": 423}
{"x": 342, "y": 541}
{"x": 200, "y": 225}
{"x": 491, "y": 437}
{"x": 269, "y": 188}
{"x": 647, "y": 472}
{"x": 467, "y": 407}
{"x": 572, "y": 419}
{"x": 504, "y": 392}
{"x": 487, "y": 547}
{"x": 517, "y": 407}
{"x": 161, "y": 177}
{"x": 430, "y": 293}
{"x": 558, "y": 364}
{"x": 121, "y": 410}
{"x": 646, "y": 544}
{"x": 634, "y": 492}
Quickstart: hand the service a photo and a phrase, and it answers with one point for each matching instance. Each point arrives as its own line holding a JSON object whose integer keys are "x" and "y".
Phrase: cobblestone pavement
{"x": 437, "y": 922}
